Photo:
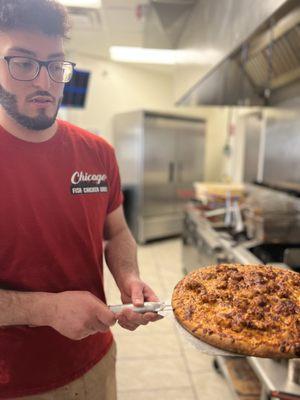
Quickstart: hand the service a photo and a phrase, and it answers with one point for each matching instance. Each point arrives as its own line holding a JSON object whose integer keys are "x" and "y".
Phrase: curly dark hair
{"x": 46, "y": 16}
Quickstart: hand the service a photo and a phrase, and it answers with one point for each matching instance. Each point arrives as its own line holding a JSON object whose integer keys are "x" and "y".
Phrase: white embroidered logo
{"x": 85, "y": 177}
{"x": 84, "y": 183}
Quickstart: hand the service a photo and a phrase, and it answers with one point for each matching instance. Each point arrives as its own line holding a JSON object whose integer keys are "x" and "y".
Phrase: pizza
{"x": 251, "y": 310}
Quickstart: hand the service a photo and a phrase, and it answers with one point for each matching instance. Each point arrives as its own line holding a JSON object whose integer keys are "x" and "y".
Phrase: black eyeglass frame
{"x": 40, "y": 64}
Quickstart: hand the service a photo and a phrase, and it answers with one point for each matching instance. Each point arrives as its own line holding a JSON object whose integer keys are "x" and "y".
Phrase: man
{"x": 60, "y": 199}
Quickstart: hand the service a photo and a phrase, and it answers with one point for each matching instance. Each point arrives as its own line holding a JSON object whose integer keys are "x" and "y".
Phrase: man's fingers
{"x": 142, "y": 292}
{"x": 127, "y": 323}
{"x": 152, "y": 317}
{"x": 132, "y": 317}
{"x": 139, "y": 292}
{"x": 137, "y": 296}
{"x": 106, "y": 317}
{"x": 136, "y": 318}
{"x": 149, "y": 295}
{"x": 131, "y": 320}
{"x": 130, "y": 327}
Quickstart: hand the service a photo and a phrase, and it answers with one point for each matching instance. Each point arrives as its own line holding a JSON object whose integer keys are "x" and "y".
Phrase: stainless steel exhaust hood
{"x": 165, "y": 22}
{"x": 264, "y": 70}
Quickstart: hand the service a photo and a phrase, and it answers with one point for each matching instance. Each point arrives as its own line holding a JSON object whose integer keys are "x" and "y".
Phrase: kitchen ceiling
{"x": 138, "y": 23}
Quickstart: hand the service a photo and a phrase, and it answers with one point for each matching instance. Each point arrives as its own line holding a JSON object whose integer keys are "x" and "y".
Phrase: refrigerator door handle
{"x": 179, "y": 171}
{"x": 171, "y": 171}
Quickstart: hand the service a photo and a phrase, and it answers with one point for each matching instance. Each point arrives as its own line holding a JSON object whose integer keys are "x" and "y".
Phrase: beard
{"x": 38, "y": 123}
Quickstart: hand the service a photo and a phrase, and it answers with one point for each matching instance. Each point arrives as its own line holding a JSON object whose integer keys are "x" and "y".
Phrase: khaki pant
{"x": 99, "y": 383}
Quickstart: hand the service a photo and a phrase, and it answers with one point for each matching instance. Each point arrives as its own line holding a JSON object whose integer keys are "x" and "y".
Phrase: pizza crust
{"x": 233, "y": 307}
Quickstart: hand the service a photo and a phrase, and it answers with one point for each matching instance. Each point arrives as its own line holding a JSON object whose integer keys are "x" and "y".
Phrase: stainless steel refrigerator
{"x": 160, "y": 156}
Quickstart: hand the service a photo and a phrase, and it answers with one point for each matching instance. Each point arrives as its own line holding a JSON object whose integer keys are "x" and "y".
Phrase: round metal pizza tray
{"x": 202, "y": 346}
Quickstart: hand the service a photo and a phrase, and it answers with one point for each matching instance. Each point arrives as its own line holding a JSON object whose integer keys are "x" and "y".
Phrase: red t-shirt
{"x": 54, "y": 199}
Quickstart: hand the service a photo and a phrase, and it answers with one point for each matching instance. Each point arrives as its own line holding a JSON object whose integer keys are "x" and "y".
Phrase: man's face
{"x": 32, "y": 104}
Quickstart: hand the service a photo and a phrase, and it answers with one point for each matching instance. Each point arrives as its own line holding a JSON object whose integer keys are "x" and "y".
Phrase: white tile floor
{"x": 155, "y": 361}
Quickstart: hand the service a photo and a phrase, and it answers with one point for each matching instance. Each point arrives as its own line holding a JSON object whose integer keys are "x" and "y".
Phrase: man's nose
{"x": 43, "y": 79}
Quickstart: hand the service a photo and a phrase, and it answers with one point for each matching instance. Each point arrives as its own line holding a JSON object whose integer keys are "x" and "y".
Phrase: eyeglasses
{"x": 27, "y": 69}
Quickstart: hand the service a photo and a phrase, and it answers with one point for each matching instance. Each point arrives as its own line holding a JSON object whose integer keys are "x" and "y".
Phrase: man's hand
{"x": 77, "y": 314}
{"x": 121, "y": 258}
{"x": 136, "y": 291}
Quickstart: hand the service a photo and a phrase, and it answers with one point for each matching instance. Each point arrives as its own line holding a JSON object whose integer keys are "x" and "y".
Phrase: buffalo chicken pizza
{"x": 247, "y": 309}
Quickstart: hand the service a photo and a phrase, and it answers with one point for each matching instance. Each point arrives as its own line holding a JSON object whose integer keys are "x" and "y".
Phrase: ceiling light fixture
{"x": 81, "y": 3}
{"x": 142, "y": 55}
{"x": 164, "y": 56}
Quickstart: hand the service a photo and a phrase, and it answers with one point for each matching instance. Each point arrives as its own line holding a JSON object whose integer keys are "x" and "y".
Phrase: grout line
{"x": 161, "y": 357}
{"x": 154, "y": 390}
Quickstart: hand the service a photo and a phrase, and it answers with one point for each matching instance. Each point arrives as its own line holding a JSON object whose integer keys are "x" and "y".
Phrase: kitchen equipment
{"x": 205, "y": 243}
{"x": 272, "y": 216}
{"x": 201, "y": 244}
{"x": 279, "y": 378}
{"x": 206, "y": 190}
{"x": 294, "y": 371}
{"x": 271, "y": 143}
{"x": 160, "y": 156}
{"x": 165, "y": 309}
{"x": 258, "y": 60}
{"x": 291, "y": 257}
{"x": 273, "y": 374}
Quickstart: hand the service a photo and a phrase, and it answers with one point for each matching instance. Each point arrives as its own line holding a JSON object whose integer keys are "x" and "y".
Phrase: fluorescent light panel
{"x": 142, "y": 55}
{"x": 164, "y": 56}
{"x": 81, "y": 3}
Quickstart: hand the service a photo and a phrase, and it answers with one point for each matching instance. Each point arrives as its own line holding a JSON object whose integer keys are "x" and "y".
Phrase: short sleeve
{"x": 114, "y": 181}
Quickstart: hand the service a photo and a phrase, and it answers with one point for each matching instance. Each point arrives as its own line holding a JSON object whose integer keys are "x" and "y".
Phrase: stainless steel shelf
{"x": 274, "y": 374}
